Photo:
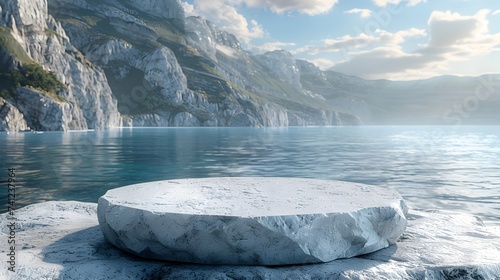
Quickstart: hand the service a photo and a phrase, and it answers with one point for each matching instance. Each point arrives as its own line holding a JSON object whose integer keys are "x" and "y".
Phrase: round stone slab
{"x": 251, "y": 221}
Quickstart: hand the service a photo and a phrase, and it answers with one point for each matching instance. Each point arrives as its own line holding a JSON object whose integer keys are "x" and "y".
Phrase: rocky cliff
{"x": 82, "y": 101}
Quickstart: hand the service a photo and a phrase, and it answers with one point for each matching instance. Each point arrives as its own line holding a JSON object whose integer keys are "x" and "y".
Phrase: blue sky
{"x": 373, "y": 39}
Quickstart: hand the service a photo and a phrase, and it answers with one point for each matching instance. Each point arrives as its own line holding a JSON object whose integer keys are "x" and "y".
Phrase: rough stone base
{"x": 251, "y": 221}
{"x": 62, "y": 240}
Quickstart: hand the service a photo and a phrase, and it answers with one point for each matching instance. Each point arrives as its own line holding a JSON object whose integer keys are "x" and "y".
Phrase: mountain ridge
{"x": 143, "y": 63}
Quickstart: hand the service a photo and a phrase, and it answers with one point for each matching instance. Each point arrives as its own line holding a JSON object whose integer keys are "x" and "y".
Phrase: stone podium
{"x": 252, "y": 220}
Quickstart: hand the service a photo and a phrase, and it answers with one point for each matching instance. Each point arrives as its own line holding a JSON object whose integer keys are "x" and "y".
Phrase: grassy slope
{"x": 10, "y": 45}
{"x": 29, "y": 74}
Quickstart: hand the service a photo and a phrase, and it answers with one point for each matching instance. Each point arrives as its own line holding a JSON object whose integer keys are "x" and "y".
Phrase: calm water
{"x": 432, "y": 167}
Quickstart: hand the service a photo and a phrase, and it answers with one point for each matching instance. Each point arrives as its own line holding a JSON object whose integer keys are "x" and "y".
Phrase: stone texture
{"x": 251, "y": 221}
{"x": 89, "y": 102}
{"x": 169, "y": 9}
{"x": 162, "y": 70}
{"x": 208, "y": 38}
{"x": 10, "y": 117}
{"x": 62, "y": 240}
{"x": 43, "y": 112}
{"x": 282, "y": 64}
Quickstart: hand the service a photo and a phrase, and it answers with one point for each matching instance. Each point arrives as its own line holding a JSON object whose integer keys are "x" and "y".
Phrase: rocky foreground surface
{"x": 62, "y": 240}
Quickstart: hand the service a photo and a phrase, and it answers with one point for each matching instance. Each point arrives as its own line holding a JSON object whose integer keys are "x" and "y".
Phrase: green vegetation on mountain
{"x": 28, "y": 74}
{"x": 32, "y": 76}
{"x": 135, "y": 98}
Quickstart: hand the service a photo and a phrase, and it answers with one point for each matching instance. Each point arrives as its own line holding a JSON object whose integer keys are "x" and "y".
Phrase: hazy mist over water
{"x": 433, "y": 167}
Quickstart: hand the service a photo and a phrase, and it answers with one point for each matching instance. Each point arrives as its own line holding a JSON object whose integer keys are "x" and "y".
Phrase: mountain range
{"x": 88, "y": 64}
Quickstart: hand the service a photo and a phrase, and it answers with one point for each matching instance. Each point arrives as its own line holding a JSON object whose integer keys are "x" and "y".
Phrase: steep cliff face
{"x": 45, "y": 113}
{"x": 208, "y": 39}
{"x": 85, "y": 102}
{"x": 283, "y": 66}
{"x": 11, "y": 119}
{"x": 273, "y": 77}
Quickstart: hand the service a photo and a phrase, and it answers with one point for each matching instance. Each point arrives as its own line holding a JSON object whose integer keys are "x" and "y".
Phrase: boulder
{"x": 251, "y": 221}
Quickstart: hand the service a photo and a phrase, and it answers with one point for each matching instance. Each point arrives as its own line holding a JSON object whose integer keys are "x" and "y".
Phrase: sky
{"x": 372, "y": 39}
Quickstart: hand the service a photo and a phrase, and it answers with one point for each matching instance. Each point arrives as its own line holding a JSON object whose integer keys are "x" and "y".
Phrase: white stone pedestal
{"x": 251, "y": 221}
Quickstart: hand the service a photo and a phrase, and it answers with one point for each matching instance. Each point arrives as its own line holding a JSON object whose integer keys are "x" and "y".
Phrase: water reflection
{"x": 432, "y": 167}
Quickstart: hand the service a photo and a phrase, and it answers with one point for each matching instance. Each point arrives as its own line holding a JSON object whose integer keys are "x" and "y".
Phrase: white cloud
{"x": 227, "y": 17}
{"x": 310, "y": 7}
{"x": 380, "y": 62}
{"x": 496, "y": 12}
{"x": 323, "y": 63}
{"x": 348, "y": 43}
{"x": 400, "y": 36}
{"x": 452, "y": 37}
{"x": 224, "y": 13}
{"x": 415, "y": 2}
{"x": 384, "y": 3}
{"x": 271, "y": 46}
{"x": 452, "y": 30}
{"x": 448, "y": 28}
{"x": 188, "y": 8}
{"x": 364, "y": 13}
{"x": 226, "y": 50}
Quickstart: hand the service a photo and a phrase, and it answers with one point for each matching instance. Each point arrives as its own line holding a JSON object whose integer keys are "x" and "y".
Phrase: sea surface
{"x": 432, "y": 167}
